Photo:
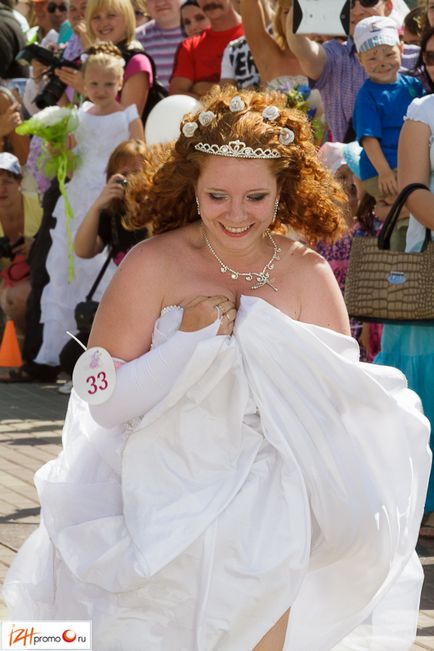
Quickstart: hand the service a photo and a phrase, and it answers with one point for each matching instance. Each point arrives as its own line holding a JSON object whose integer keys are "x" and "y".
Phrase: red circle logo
{"x": 68, "y": 635}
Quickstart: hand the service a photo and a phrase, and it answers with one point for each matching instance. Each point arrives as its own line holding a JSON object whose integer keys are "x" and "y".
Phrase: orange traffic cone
{"x": 10, "y": 354}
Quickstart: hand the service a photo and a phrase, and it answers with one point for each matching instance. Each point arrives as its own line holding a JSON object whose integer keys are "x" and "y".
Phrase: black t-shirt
{"x": 12, "y": 40}
{"x": 113, "y": 234}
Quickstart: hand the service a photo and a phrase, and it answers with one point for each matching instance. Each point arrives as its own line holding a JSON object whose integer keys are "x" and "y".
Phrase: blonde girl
{"x": 103, "y": 124}
{"x": 114, "y": 21}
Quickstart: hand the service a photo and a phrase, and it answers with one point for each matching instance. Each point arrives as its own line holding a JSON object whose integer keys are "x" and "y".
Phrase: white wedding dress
{"x": 279, "y": 472}
{"x": 96, "y": 138}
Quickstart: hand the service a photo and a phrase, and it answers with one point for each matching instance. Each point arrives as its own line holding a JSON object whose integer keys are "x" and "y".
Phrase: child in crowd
{"x": 193, "y": 20}
{"x": 381, "y": 103}
{"x": 103, "y": 124}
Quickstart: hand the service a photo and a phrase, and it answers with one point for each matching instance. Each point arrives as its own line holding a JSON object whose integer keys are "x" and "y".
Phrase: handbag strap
{"x": 99, "y": 276}
{"x": 393, "y": 214}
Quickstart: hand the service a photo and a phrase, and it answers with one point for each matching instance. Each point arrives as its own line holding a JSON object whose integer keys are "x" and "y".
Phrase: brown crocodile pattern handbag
{"x": 391, "y": 286}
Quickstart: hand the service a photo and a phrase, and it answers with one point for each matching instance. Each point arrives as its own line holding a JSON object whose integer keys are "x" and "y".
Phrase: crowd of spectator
{"x": 358, "y": 91}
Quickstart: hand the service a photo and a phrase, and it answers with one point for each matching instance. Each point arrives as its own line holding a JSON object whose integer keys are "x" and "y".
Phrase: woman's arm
{"x": 87, "y": 242}
{"x": 136, "y": 130}
{"x": 311, "y": 55}
{"x": 135, "y": 91}
{"x": 414, "y": 167}
{"x": 264, "y": 48}
{"x": 322, "y": 302}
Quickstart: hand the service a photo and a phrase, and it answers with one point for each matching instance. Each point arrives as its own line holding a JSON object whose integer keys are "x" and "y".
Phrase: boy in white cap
{"x": 381, "y": 103}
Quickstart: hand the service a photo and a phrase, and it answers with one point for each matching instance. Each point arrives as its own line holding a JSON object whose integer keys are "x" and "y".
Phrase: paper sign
{"x": 331, "y": 17}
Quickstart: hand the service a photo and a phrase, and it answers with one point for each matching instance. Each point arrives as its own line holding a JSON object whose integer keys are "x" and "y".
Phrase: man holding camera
{"x": 333, "y": 67}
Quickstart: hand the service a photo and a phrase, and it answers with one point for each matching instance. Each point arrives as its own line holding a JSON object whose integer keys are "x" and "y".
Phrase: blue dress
{"x": 411, "y": 350}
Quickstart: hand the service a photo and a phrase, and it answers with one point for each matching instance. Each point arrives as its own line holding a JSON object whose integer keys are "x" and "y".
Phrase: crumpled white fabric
{"x": 279, "y": 472}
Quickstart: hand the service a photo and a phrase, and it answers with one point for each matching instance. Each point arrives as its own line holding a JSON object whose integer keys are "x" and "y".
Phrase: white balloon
{"x": 163, "y": 122}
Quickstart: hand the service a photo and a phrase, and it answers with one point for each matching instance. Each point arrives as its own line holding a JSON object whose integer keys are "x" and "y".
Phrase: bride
{"x": 248, "y": 484}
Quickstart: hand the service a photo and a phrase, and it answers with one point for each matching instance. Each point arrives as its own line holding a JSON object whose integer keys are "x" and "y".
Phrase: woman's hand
{"x": 10, "y": 119}
{"x": 81, "y": 31}
{"x": 72, "y": 78}
{"x": 204, "y": 310}
{"x": 114, "y": 189}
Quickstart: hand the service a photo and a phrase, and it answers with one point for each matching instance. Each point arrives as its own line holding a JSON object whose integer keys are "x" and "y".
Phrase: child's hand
{"x": 114, "y": 189}
{"x": 387, "y": 183}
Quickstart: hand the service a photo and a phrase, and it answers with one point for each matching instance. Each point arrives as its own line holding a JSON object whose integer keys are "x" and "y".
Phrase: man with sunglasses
{"x": 333, "y": 67}
{"x": 58, "y": 15}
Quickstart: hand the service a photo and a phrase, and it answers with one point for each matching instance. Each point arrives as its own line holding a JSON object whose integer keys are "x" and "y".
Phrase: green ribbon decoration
{"x": 64, "y": 161}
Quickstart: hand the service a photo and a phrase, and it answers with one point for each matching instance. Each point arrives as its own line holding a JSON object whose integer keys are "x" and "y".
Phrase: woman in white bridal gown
{"x": 248, "y": 485}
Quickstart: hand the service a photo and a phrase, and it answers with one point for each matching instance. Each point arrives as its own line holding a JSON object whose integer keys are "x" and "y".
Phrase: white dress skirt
{"x": 96, "y": 137}
{"x": 279, "y": 472}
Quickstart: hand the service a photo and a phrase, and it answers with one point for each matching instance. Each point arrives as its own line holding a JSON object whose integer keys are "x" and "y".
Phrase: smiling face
{"x": 109, "y": 25}
{"x": 166, "y": 13}
{"x": 382, "y": 63}
{"x": 77, "y": 12}
{"x": 102, "y": 85}
{"x": 193, "y": 20}
{"x": 236, "y": 199}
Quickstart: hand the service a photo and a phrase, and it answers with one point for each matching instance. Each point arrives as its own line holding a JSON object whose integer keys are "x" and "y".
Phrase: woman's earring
{"x": 198, "y": 206}
{"x": 276, "y": 209}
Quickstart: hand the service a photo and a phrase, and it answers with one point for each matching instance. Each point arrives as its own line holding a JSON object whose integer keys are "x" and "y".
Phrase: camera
{"x": 122, "y": 182}
{"x": 55, "y": 88}
{"x": 7, "y": 248}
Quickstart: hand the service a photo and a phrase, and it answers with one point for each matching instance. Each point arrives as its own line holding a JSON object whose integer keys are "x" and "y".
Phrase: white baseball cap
{"x": 10, "y": 163}
{"x": 373, "y": 31}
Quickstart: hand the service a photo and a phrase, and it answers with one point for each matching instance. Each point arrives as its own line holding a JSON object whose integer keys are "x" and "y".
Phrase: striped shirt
{"x": 161, "y": 45}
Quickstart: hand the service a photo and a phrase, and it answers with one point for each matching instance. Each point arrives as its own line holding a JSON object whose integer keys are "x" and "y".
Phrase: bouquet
{"x": 54, "y": 126}
{"x": 298, "y": 98}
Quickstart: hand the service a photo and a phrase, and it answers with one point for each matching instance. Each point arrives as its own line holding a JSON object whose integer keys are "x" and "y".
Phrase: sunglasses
{"x": 367, "y": 4}
{"x": 428, "y": 58}
{"x": 52, "y": 7}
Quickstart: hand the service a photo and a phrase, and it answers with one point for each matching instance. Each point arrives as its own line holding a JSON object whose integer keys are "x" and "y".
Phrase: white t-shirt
{"x": 421, "y": 110}
{"x": 238, "y": 64}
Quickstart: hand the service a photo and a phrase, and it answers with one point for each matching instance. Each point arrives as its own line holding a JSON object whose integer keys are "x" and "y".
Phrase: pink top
{"x": 139, "y": 63}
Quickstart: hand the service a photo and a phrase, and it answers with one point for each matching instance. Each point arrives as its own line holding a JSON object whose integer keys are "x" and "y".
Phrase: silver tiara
{"x": 236, "y": 149}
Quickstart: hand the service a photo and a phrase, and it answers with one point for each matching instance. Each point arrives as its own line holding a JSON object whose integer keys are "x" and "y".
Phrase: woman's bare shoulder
{"x": 319, "y": 293}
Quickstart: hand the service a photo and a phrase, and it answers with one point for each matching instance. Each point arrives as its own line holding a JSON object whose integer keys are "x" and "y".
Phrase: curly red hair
{"x": 311, "y": 201}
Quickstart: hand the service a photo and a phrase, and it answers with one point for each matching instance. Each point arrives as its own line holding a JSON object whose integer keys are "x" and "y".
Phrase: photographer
{"x": 20, "y": 216}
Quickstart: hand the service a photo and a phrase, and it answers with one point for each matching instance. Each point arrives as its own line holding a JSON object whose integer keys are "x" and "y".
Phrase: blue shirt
{"x": 379, "y": 113}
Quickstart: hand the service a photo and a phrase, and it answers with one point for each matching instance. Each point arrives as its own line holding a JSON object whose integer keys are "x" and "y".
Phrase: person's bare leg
{"x": 275, "y": 638}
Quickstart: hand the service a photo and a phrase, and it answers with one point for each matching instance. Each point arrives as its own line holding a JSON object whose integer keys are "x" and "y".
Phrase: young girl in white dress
{"x": 103, "y": 124}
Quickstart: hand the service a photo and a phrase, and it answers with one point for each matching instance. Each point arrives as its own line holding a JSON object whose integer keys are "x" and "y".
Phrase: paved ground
{"x": 31, "y": 417}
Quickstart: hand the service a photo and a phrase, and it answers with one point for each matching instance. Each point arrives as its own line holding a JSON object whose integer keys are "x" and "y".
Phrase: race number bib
{"x": 94, "y": 376}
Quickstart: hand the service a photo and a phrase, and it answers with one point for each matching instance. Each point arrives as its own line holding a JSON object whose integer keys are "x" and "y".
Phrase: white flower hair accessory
{"x": 189, "y": 129}
{"x": 236, "y": 104}
{"x": 84, "y": 57}
{"x": 206, "y": 117}
{"x": 286, "y": 136}
{"x": 271, "y": 113}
